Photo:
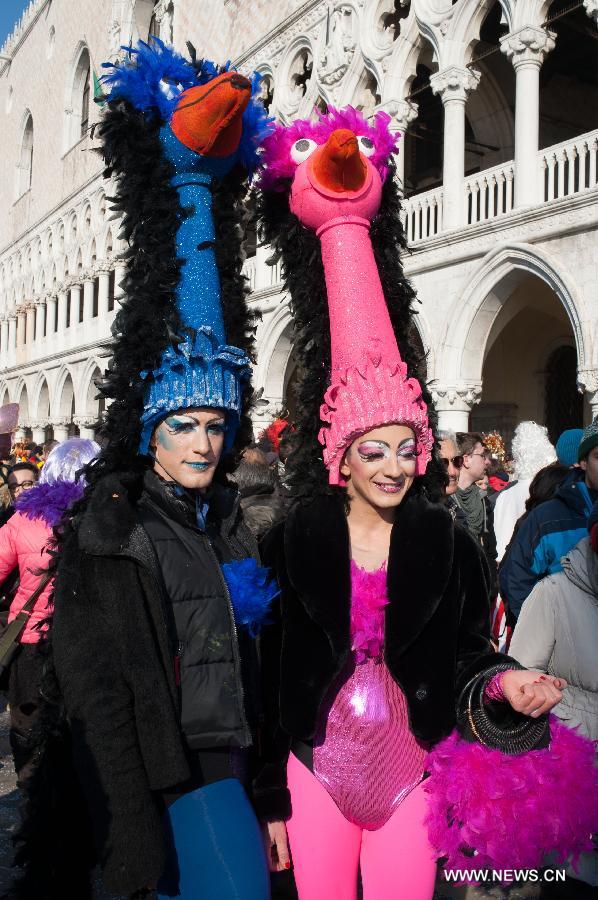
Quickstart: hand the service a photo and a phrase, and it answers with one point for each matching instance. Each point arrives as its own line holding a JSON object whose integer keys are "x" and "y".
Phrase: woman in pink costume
{"x": 384, "y": 613}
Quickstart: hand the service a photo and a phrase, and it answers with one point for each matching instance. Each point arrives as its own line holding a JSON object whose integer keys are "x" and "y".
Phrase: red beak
{"x": 209, "y": 118}
{"x": 338, "y": 165}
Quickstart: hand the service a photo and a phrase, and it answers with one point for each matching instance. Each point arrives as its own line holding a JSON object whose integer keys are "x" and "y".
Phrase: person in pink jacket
{"x": 24, "y": 542}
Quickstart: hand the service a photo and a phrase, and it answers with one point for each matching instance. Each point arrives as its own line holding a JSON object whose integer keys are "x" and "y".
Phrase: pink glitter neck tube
{"x": 369, "y": 386}
{"x": 364, "y": 752}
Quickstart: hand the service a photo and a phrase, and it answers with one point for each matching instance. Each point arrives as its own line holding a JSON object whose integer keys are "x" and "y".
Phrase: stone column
{"x": 21, "y": 312}
{"x": 38, "y": 432}
{"x": 402, "y": 113}
{"x": 526, "y": 48}
{"x": 454, "y": 403}
{"x": 18, "y": 434}
{"x": 86, "y": 426}
{"x": 587, "y": 382}
{"x": 88, "y": 299}
{"x": 103, "y": 290}
{"x": 40, "y": 319}
{"x": 119, "y": 274}
{"x": 4, "y": 341}
{"x": 30, "y": 322}
{"x": 453, "y": 85}
{"x": 62, "y": 304}
{"x": 591, "y": 7}
{"x": 61, "y": 430}
{"x": 75, "y": 303}
{"x": 50, "y": 315}
{"x": 12, "y": 337}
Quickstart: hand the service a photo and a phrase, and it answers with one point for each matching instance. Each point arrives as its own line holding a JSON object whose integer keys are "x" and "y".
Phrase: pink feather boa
{"x": 368, "y": 599}
{"x": 512, "y": 810}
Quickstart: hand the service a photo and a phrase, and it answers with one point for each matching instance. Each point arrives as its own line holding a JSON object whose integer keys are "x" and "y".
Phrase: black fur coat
{"x": 437, "y": 625}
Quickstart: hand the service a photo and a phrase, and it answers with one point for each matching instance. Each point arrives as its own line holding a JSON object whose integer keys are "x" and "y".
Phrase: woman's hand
{"x": 532, "y": 693}
{"x": 277, "y": 846}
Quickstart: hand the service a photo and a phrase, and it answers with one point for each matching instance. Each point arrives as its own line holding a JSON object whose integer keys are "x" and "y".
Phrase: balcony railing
{"x": 422, "y": 215}
{"x": 489, "y": 193}
{"x": 570, "y": 167}
{"x": 563, "y": 170}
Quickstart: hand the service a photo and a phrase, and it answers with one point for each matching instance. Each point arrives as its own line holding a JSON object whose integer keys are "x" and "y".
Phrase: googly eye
{"x": 366, "y": 145}
{"x": 301, "y": 149}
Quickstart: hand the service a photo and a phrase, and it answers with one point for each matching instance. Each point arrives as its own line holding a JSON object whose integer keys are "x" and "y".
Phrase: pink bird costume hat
{"x": 338, "y": 165}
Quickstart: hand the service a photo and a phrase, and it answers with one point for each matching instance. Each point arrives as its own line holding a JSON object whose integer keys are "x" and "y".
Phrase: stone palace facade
{"x": 497, "y": 106}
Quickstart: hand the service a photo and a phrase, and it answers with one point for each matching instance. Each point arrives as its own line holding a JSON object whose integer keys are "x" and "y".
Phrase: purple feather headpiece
{"x": 49, "y": 502}
{"x": 276, "y": 160}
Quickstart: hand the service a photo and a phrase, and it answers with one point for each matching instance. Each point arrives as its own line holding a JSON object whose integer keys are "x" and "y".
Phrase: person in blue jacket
{"x": 553, "y": 528}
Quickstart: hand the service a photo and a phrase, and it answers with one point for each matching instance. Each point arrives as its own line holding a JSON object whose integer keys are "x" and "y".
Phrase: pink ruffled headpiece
{"x": 338, "y": 165}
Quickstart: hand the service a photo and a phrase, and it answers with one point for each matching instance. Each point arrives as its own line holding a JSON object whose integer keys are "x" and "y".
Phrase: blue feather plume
{"x": 154, "y": 75}
{"x": 252, "y": 590}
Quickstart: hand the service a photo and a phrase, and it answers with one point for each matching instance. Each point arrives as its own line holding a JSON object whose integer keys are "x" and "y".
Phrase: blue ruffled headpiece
{"x": 203, "y": 370}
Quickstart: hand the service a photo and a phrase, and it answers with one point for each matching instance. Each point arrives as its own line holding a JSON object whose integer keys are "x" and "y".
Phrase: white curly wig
{"x": 531, "y": 449}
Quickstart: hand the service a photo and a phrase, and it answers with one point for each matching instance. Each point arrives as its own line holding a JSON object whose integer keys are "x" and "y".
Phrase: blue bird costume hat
{"x": 209, "y": 121}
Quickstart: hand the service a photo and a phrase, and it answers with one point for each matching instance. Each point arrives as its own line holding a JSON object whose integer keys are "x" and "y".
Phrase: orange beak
{"x": 209, "y": 119}
{"x": 338, "y": 166}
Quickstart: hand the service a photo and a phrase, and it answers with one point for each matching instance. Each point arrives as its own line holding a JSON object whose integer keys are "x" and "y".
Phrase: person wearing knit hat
{"x": 567, "y": 446}
{"x": 557, "y": 631}
{"x": 589, "y": 440}
{"x": 552, "y": 528}
{"x": 159, "y": 594}
{"x": 372, "y": 661}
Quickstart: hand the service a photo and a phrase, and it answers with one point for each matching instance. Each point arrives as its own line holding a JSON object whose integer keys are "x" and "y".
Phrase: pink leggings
{"x": 396, "y": 860}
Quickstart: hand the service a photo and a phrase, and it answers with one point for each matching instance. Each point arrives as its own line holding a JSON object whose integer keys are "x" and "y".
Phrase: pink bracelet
{"x": 493, "y": 690}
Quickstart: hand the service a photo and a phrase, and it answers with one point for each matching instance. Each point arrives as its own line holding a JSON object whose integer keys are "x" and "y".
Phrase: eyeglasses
{"x": 22, "y": 486}
{"x": 457, "y": 461}
{"x": 486, "y": 454}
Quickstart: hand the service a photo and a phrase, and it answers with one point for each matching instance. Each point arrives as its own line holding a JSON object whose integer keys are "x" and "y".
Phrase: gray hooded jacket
{"x": 557, "y": 632}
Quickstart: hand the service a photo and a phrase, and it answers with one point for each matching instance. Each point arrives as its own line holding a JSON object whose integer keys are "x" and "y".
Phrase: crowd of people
{"x": 234, "y": 661}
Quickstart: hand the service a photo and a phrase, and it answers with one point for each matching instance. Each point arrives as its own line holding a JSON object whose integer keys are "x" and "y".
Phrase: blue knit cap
{"x": 589, "y": 440}
{"x": 568, "y": 445}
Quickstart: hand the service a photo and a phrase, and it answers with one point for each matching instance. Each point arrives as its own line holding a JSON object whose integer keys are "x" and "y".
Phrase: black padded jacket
{"x": 115, "y": 647}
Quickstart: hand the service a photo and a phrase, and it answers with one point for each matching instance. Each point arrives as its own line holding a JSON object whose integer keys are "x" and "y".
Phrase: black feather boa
{"x": 303, "y": 277}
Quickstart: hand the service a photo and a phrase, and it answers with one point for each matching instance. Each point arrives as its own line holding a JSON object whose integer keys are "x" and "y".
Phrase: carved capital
{"x": 591, "y": 7}
{"x": 587, "y": 381}
{"x": 454, "y": 83}
{"x": 528, "y": 46}
{"x": 85, "y": 421}
{"x": 458, "y": 396}
{"x": 402, "y": 113}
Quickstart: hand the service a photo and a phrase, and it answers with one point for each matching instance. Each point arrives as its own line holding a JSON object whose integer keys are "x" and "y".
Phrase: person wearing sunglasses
{"x": 476, "y": 507}
{"x": 452, "y": 461}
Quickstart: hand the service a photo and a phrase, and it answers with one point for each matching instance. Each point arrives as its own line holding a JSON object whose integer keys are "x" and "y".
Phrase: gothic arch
{"x": 40, "y": 404}
{"x": 402, "y": 63}
{"x": 22, "y": 398}
{"x": 78, "y": 96}
{"x": 25, "y": 155}
{"x": 64, "y": 394}
{"x": 89, "y": 401}
{"x": 498, "y": 275}
{"x": 275, "y": 351}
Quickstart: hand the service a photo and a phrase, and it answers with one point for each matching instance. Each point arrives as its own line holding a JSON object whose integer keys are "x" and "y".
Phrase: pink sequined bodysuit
{"x": 364, "y": 752}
